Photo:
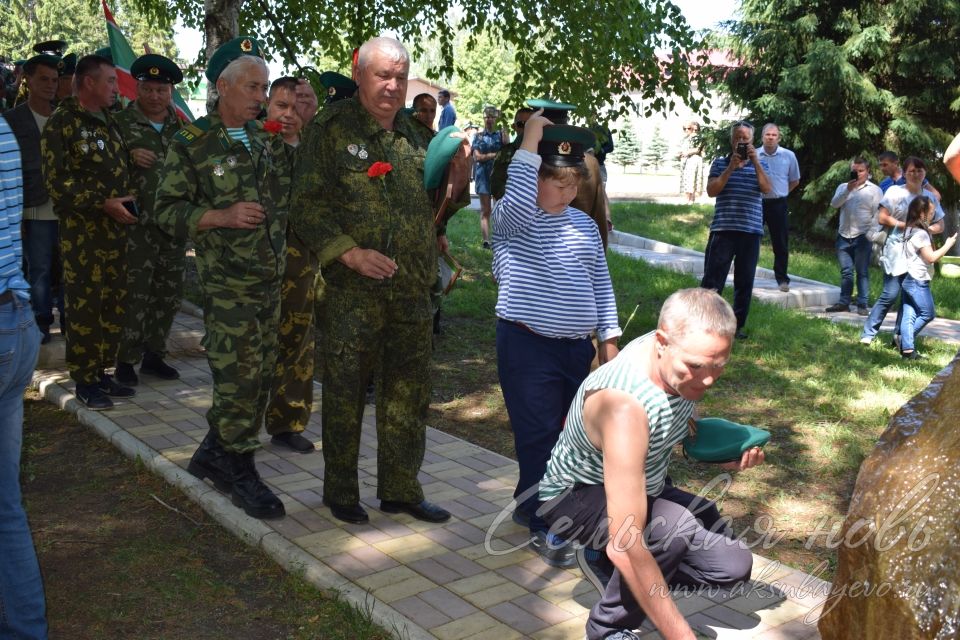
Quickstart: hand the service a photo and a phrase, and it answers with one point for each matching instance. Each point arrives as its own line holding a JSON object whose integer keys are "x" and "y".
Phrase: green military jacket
{"x": 85, "y": 160}
{"x": 336, "y": 205}
{"x": 139, "y": 133}
{"x": 498, "y": 175}
{"x": 205, "y": 169}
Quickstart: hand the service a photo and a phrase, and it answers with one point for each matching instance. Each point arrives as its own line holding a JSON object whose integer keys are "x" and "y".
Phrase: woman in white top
{"x": 917, "y": 301}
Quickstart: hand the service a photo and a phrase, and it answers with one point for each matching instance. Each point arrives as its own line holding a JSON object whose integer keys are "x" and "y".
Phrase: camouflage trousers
{"x": 291, "y": 397}
{"x": 93, "y": 247}
{"x": 241, "y": 344}
{"x": 386, "y": 334}
{"x": 155, "y": 264}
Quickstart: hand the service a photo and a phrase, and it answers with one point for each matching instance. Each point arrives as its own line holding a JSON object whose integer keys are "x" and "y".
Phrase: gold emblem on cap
{"x": 563, "y": 148}
{"x": 332, "y": 91}
{"x": 154, "y": 71}
{"x": 246, "y": 45}
{"x": 60, "y": 65}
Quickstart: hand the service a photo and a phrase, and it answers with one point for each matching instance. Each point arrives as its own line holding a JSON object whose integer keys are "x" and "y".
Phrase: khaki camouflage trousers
{"x": 291, "y": 398}
{"x": 387, "y": 334}
{"x": 241, "y": 344}
{"x": 155, "y": 264}
{"x": 93, "y": 247}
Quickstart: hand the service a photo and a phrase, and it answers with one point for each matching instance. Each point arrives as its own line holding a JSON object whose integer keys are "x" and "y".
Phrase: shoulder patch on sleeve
{"x": 189, "y": 133}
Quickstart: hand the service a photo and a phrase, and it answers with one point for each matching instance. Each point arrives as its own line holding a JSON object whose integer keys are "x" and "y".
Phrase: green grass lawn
{"x": 825, "y": 397}
{"x": 811, "y": 255}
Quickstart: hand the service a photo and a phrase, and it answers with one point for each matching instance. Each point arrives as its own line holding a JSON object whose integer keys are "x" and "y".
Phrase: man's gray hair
{"x": 740, "y": 124}
{"x": 770, "y": 125}
{"x": 237, "y": 68}
{"x": 697, "y": 310}
{"x": 390, "y": 47}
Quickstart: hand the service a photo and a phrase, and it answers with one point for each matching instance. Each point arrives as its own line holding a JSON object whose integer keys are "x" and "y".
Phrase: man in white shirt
{"x": 784, "y": 173}
{"x": 857, "y": 200}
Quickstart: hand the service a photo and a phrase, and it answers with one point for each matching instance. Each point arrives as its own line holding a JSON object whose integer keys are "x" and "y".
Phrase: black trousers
{"x": 740, "y": 249}
{"x": 775, "y": 217}
{"x": 685, "y": 534}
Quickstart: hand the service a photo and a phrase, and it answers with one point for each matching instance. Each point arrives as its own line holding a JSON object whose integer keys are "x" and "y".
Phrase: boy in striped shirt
{"x": 606, "y": 485}
{"x": 555, "y": 293}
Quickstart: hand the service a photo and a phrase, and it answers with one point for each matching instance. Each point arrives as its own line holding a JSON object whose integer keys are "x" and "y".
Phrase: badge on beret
{"x": 564, "y": 148}
{"x": 154, "y": 71}
{"x": 352, "y": 149}
{"x": 246, "y": 46}
{"x": 218, "y": 169}
{"x": 232, "y": 161}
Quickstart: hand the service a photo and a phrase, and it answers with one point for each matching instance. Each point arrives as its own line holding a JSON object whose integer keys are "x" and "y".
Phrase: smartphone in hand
{"x": 132, "y": 208}
{"x": 742, "y": 150}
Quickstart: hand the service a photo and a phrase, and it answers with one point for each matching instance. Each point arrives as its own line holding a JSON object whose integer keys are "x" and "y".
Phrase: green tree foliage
{"x": 81, "y": 24}
{"x": 594, "y": 54}
{"x": 626, "y": 152}
{"x": 484, "y": 71}
{"x": 848, "y": 78}
{"x": 657, "y": 148}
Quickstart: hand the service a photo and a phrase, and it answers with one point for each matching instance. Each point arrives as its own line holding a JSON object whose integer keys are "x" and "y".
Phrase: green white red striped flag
{"x": 123, "y": 57}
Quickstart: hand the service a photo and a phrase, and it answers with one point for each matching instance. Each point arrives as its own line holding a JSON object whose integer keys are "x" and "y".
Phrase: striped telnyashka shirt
{"x": 575, "y": 459}
{"x": 11, "y": 211}
{"x": 551, "y": 269}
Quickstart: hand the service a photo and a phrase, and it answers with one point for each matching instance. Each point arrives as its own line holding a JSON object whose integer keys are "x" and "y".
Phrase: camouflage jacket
{"x": 85, "y": 160}
{"x": 498, "y": 175}
{"x": 336, "y": 206}
{"x": 139, "y": 134}
{"x": 206, "y": 169}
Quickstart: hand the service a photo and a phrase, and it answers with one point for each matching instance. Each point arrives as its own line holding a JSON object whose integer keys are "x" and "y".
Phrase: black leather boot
{"x": 210, "y": 461}
{"x": 154, "y": 365}
{"x": 249, "y": 492}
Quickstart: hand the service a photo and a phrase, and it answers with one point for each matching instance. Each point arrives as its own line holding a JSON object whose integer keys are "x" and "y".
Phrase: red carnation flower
{"x": 379, "y": 169}
{"x": 273, "y": 126}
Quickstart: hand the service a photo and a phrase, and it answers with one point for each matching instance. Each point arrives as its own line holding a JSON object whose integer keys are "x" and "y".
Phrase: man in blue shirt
{"x": 21, "y": 588}
{"x": 737, "y": 182}
{"x": 784, "y": 173}
{"x": 448, "y": 115}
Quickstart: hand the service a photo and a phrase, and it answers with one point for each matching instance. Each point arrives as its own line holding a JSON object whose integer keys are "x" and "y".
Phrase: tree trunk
{"x": 221, "y": 23}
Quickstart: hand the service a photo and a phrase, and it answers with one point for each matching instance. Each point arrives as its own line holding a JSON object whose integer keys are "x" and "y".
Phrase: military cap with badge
{"x": 338, "y": 86}
{"x": 156, "y": 68}
{"x": 564, "y": 145}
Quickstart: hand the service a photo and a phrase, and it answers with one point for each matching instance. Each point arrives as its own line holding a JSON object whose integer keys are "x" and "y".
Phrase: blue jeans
{"x": 916, "y": 310}
{"x": 891, "y": 289}
{"x": 854, "y": 255}
{"x": 743, "y": 250}
{"x": 22, "y": 605}
{"x": 41, "y": 247}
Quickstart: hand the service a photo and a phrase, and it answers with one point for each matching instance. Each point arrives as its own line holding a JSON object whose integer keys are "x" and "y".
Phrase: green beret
{"x": 563, "y": 145}
{"x": 156, "y": 67}
{"x": 338, "y": 86}
{"x": 45, "y": 59}
{"x": 105, "y": 52}
{"x": 230, "y": 51}
{"x": 51, "y": 47}
{"x": 67, "y": 65}
{"x": 720, "y": 440}
{"x": 439, "y": 154}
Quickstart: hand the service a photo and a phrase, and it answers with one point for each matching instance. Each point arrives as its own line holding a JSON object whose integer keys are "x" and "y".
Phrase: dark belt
{"x": 774, "y": 199}
{"x": 6, "y": 296}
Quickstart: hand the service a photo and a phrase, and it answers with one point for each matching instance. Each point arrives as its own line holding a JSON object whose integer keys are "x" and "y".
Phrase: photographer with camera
{"x": 737, "y": 182}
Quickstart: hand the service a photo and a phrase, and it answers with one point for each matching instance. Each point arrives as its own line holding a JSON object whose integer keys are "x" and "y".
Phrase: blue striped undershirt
{"x": 551, "y": 268}
{"x": 11, "y": 212}
{"x": 739, "y": 206}
{"x": 240, "y": 134}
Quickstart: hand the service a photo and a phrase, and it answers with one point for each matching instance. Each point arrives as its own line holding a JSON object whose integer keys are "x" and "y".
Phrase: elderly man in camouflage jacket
{"x": 360, "y": 204}
{"x": 225, "y": 184}
{"x": 87, "y": 173}
{"x": 155, "y": 260}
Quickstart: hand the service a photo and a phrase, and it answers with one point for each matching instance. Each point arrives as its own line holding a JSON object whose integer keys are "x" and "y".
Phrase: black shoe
{"x": 426, "y": 511}
{"x": 124, "y": 374}
{"x": 154, "y": 365}
{"x": 740, "y": 335}
{"x": 114, "y": 389}
{"x": 44, "y": 333}
{"x": 249, "y": 492}
{"x": 487, "y": 245}
{"x": 554, "y": 551}
{"x": 836, "y": 308}
{"x": 352, "y": 513}
{"x": 912, "y": 355}
{"x": 596, "y": 567}
{"x": 436, "y": 323}
{"x": 521, "y": 517}
{"x": 293, "y": 440}
{"x": 210, "y": 461}
{"x": 863, "y": 310}
{"x": 93, "y": 398}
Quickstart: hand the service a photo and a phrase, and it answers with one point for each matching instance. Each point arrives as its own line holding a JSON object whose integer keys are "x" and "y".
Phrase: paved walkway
{"x": 469, "y": 578}
{"x": 805, "y": 295}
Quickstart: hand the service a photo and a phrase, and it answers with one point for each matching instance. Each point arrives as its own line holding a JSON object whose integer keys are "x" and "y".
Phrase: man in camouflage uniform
{"x": 376, "y": 241}
{"x": 89, "y": 180}
{"x": 225, "y": 184}
{"x": 291, "y": 397}
{"x": 155, "y": 260}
